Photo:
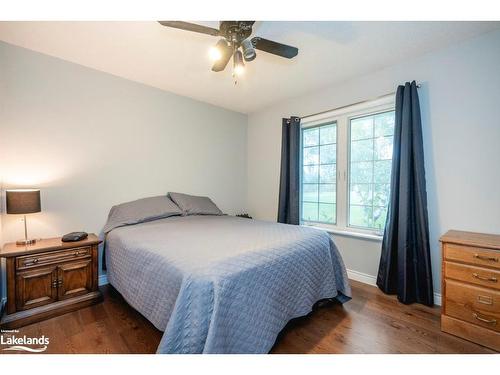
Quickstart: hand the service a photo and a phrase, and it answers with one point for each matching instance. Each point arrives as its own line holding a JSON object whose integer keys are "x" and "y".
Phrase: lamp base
{"x": 25, "y": 242}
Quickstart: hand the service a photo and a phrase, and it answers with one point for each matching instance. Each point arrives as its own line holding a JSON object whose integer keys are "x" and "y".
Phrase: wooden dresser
{"x": 49, "y": 278}
{"x": 471, "y": 287}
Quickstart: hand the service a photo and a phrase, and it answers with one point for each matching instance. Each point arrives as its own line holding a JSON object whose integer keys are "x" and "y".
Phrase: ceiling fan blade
{"x": 226, "y": 54}
{"x": 190, "y": 27}
{"x": 274, "y": 47}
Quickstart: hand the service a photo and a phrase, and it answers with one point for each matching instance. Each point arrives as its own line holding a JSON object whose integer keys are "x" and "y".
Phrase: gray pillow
{"x": 195, "y": 205}
{"x": 141, "y": 210}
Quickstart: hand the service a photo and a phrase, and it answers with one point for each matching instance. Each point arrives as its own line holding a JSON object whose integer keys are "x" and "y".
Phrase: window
{"x": 370, "y": 159}
{"x": 319, "y": 173}
{"x": 346, "y": 167}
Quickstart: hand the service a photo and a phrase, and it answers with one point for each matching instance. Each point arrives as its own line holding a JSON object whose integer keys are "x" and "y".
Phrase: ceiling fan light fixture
{"x": 216, "y": 52}
{"x": 248, "y": 50}
{"x": 235, "y": 34}
{"x": 239, "y": 66}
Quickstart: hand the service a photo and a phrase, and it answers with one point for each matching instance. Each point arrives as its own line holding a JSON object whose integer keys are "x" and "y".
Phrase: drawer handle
{"x": 54, "y": 283}
{"x": 489, "y": 259}
{"x": 485, "y": 300}
{"x": 492, "y": 279}
{"x": 79, "y": 253}
{"x": 484, "y": 320}
{"x": 59, "y": 282}
{"x": 33, "y": 261}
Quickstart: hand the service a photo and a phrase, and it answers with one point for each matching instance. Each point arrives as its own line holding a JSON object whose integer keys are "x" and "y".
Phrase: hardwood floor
{"x": 370, "y": 323}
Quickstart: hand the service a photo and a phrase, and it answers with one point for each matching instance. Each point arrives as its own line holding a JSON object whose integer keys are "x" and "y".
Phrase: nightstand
{"x": 49, "y": 278}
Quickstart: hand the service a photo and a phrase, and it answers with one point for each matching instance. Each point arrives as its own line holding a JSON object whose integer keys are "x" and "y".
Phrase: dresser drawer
{"x": 472, "y": 255}
{"x": 476, "y": 298}
{"x": 471, "y": 274}
{"x": 475, "y": 305}
{"x": 36, "y": 260}
{"x": 471, "y": 332}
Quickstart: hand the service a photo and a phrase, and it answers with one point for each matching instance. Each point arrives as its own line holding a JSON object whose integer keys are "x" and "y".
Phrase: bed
{"x": 222, "y": 284}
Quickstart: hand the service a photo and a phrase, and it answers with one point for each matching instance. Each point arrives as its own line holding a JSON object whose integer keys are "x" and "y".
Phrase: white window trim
{"x": 342, "y": 117}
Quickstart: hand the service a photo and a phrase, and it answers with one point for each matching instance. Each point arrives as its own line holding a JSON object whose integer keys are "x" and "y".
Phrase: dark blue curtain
{"x": 405, "y": 265}
{"x": 288, "y": 206}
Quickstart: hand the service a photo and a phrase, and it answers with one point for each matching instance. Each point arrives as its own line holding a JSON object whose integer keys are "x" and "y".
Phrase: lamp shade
{"x": 23, "y": 201}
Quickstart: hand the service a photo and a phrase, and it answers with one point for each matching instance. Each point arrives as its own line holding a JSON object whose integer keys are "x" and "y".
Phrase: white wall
{"x": 90, "y": 140}
{"x": 460, "y": 104}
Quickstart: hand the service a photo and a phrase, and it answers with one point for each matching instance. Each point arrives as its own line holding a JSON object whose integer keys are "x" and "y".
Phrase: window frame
{"x": 342, "y": 117}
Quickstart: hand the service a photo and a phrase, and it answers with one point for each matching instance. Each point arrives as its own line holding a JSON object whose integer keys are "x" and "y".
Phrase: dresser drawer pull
{"x": 54, "y": 283}
{"x": 33, "y": 261}
{"x": 484, "y": 320}
{"x": 485, "y": 300}
{"x": 80, "y": 253}
{"x": 489, "y": 259}
{"x": 492, "y": 279}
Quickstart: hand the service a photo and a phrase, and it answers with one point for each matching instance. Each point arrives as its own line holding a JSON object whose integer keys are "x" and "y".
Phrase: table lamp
{"x": 22, "y": 202}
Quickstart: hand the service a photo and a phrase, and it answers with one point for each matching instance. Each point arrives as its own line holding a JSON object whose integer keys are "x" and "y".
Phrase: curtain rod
{"x": 350, "y": 105}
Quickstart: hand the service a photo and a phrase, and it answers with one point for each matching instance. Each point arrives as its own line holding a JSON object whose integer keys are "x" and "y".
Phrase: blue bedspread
{"x": 221, "y": 284}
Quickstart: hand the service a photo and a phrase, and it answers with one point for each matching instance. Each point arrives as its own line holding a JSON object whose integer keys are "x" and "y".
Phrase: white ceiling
{"x": 177, "y": 60}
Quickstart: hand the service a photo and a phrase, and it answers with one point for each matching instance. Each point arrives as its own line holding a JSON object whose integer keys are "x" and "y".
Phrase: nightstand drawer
{"x": 36, "y": 260}
{"x": 474, "y": 275}
{"x": 472, "y": 255}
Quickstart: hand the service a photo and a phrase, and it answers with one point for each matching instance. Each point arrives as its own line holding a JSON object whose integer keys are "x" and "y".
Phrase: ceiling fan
{"x": 235, "y": 42}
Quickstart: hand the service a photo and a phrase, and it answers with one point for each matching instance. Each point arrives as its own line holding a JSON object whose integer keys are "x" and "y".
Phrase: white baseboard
{"x": 103, "y": 280}
{"x": 362, "y": 277}
{"x": 372, "y": 280}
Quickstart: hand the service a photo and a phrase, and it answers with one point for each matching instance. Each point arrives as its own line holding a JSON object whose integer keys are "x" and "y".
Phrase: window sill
{"x": 348, "y": 233}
